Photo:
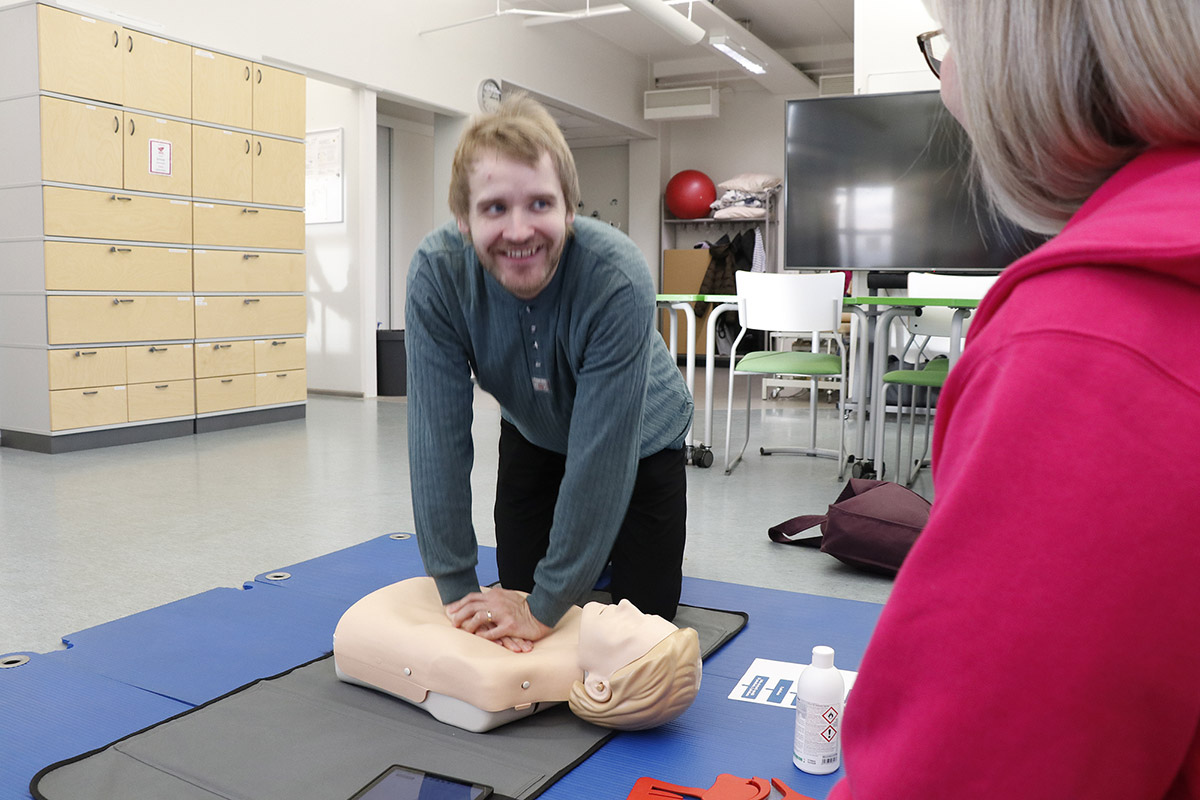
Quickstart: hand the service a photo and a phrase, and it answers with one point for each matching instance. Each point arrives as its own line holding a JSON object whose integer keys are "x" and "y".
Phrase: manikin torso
{"x": 399, "y": 640}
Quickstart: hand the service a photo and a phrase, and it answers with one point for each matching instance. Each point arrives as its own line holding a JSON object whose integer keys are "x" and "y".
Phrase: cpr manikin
{"x": 616, "y": 666}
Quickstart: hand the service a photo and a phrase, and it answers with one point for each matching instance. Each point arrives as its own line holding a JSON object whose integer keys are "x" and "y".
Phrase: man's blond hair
{"x": 521, "y": 129}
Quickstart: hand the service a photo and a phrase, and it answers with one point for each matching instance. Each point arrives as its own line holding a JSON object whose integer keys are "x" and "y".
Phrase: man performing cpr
{"x": 552, "y": 316}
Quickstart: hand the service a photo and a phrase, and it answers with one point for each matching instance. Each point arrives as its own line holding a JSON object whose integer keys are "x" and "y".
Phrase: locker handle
{"x": 162, "y": 386}
{"x": 131, "y": 44}
{"x": 247, "y": 72}
{"x": 219, "y": 346}
{"x": 259, "y": 151}
{"x": 116, "y": 39}
{"x": 247, "y": 145}
{"x": 259, "y": 71}
{"x": 226, "y": 380}
{"x": 249, "y": 210}
{"x": 85, "y": 394}
{"x": 118, "y": 300}
{"x": 116, "y": 124}
{"x": 277, "y": 343}
{"x": 132, "y": 125}
{"x": 249, "y": 255}
{"x": 159, "y": 349}
{"x": 79, "y": 353}
{"x": 122, "y": 199}
{"x": 250, "y": 300}
{"x": 280, "y": 374}
{"x": 115, "y": 249}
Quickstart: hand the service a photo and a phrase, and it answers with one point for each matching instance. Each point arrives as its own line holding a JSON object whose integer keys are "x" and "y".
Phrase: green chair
{"x": 929, "y": 332}
{"x": 809, "y": 305}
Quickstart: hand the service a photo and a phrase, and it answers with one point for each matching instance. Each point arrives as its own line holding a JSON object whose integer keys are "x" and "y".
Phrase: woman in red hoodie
{"x": 1041, "y": 640}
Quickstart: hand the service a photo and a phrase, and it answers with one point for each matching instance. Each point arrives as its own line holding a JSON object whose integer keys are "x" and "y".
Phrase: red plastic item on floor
{"x": 726, "y": 787}
{"x": 788, "y": 792}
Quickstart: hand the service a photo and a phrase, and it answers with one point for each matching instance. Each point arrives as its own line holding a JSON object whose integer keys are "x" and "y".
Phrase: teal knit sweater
{"x": 578, "y": 370}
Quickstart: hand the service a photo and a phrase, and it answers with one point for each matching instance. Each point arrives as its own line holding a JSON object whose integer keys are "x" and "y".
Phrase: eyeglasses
{"x": 933, "y": 46}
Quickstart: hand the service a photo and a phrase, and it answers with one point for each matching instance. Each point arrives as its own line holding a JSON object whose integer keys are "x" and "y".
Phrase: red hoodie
{"x": 1042, "y": 638}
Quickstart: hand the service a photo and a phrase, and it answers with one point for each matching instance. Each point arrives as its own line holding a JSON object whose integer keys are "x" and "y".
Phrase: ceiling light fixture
{"x": 679, "y": 26}
{"x": 747, "y": 60}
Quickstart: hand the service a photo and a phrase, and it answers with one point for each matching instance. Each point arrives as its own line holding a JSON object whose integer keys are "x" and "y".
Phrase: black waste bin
{"x": 391, "y": 364}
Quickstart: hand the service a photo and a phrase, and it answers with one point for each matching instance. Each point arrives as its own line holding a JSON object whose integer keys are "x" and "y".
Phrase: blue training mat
{"x": 72, "y": 701}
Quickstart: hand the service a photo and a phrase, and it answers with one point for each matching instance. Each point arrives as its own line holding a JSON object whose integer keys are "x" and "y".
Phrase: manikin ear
{"x": 597, "y": 687}
{"x": 463, "y": 227}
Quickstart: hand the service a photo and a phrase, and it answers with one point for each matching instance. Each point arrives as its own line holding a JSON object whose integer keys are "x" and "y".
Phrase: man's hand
{"x": 499, "y": 615}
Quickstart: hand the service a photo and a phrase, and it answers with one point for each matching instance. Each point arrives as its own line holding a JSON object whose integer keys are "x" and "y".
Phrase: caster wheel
{"x": 703, "y": 458}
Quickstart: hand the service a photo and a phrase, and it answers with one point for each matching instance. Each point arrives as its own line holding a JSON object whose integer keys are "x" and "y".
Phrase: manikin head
{"x": 513, "y": 192}
{"x": 640, "y": 671}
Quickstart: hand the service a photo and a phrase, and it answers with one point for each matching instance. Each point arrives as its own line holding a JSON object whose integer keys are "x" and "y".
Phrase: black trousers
{"x": 647, "y": 558}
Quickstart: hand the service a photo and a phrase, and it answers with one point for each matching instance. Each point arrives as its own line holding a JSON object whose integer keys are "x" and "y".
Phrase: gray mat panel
{"x": 305, "y": 735}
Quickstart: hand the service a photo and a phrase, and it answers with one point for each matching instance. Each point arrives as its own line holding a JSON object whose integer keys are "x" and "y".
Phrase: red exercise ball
{"x": 690, "y": 194}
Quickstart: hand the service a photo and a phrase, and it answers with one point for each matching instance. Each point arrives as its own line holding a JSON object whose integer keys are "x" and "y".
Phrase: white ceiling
{"x": 817, "y": 36}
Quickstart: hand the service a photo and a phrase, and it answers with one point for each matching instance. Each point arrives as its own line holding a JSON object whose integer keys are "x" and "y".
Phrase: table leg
{"x": 710, "y": 355}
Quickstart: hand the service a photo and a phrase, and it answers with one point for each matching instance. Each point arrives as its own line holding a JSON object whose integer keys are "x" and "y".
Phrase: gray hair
{"x": 1057, "y": 95}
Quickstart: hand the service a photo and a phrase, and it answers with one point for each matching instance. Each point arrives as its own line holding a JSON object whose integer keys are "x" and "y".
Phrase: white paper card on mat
{"x": 773, "y": 683}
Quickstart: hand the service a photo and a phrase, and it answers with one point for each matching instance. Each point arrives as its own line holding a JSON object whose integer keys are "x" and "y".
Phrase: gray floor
{"x": 92, "y": 536}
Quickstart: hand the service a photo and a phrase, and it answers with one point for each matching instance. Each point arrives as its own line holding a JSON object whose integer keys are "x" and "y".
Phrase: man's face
{"x": 517, "y": 221}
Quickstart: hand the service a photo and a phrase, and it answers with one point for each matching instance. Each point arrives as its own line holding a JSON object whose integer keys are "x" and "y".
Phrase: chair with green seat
{"x": 807, "y": 305}
{"x": 929, "y": 332}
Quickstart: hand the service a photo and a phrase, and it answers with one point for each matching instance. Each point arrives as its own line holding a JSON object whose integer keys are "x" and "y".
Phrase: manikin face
{"x": 517, "y": 221}
{"x": 612, "y": 637}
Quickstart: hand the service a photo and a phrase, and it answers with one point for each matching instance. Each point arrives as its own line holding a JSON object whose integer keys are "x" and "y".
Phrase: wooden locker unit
{"x": 117, "y": 267}
{"x": 222, "y": 91}
{"x": 247, "y": 271}
{"x": 223, "y": 161}
{"x": 278, "y": 174}
{"x": 157, "y": 74}
{"x": 158, "y": 154}
{"x": 224, "y": 358}
{"x": 88, "y": 366}
{"x": 82, "y": 143}
{"x": 120, "y": 319}
{"x": 279, "y": 354}
{"x": 74, "y": 319}
{"x": 278, "y": 101}
{"x": 79, "y": 55}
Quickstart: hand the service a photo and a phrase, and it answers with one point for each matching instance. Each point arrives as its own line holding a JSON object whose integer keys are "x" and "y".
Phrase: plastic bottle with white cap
{"x": 820, "y": 695}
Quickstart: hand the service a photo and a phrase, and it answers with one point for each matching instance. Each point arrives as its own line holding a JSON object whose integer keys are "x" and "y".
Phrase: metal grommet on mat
{"x": 400, "y": 536}
{"x": 8, "y": 662}
{"x": 277, "y": 576}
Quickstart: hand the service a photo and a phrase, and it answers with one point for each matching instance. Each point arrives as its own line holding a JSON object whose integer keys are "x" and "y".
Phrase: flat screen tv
{"x": 881, "y": 182}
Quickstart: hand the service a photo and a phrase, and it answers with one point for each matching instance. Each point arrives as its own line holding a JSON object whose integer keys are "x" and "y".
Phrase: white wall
{"x": 412, "y": 209}
{"x": 886, "y": 57}
{"x": 748, "y": 136}
{"x": 341, "y": 255}
{"x": 603, "y": 178}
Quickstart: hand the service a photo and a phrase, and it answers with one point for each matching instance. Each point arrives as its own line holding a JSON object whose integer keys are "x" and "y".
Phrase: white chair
{"x": 928, "y": 339}
{"x": 808, "y": 305}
